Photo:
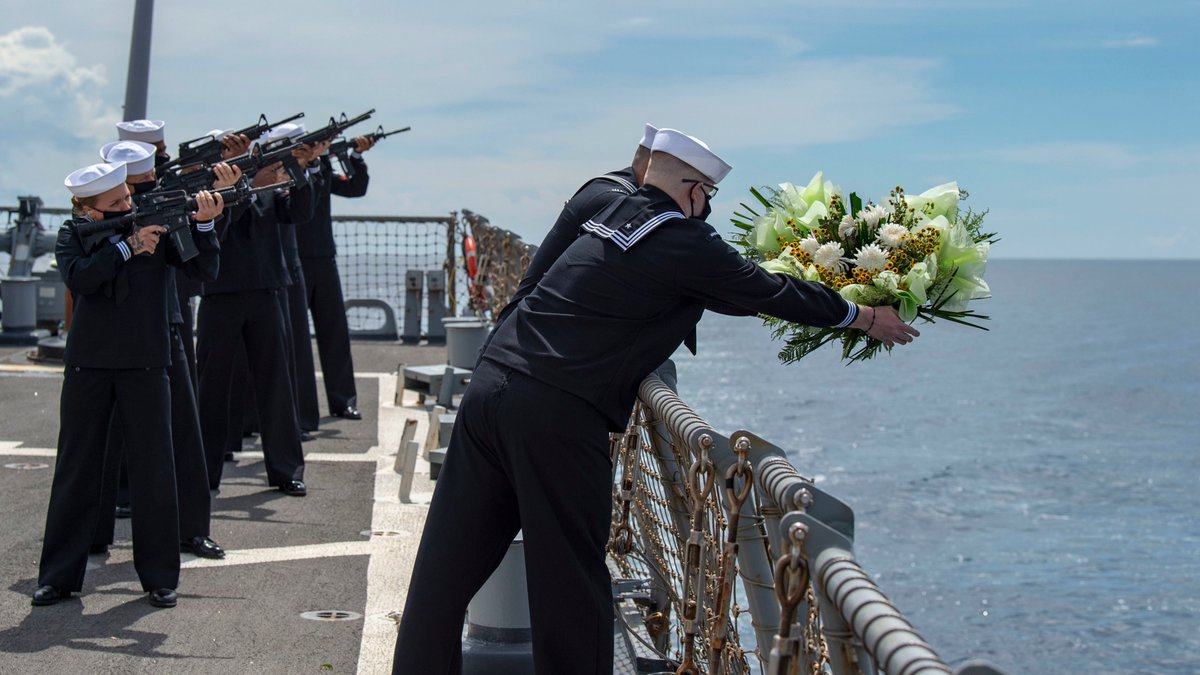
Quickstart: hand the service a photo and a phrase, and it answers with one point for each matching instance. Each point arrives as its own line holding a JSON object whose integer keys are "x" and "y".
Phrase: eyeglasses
{"x": 711, "y": 190}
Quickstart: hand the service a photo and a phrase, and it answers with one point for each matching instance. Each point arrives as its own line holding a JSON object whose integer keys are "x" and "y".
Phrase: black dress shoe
{"x": 305, "y": 437}
{"x": 48, "y": 595}
{"x": 229, "y": 457}
{"x": 124, "y": 512}
{"x": 203, "y": 547}
{"x": 97, "y": 549}
{"x": 350, "y": 413}
{"x": 294, "y": 488}
{"x": 163, "y": 597}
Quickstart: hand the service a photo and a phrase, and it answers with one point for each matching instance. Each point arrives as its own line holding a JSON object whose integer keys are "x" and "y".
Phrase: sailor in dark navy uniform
{"x": 318, "y": 256}
{"x": 117, "y": 354}
{"x": 587, "y": 201}
{"x": 293, "y": 300}
{"x": 241, "y": 310}
{"x": 191, "y": 472}
{"x": 530, "y": 444}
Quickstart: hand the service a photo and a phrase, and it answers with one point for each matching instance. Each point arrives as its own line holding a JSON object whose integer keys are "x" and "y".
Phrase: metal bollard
{"x": 435, "y": 284}
{"x": 406, "y": 466}
{"x": 20, "y": 312}
{"x": 414, "y": 283}
{"x": 499, "y": 637}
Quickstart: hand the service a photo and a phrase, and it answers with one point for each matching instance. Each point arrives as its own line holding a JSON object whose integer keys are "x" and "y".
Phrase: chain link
{"x": 701, "y": 478}
{"x": 735, "y": 497}
{"x": 791, "y": 582}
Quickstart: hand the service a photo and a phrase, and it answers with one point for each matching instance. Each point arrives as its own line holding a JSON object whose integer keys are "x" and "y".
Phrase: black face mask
{"x": 159, "y": 160}
{"x": 704, "y": 213}
{"x": 143, "y": 187}
{"x": 117, "y": 214}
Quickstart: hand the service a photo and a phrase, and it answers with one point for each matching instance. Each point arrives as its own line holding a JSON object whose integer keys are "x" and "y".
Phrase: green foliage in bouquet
{"x": 921, "y": 254}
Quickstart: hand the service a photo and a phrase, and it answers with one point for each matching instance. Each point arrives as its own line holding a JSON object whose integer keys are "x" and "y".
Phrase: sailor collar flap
{"x": 628, "y": 220}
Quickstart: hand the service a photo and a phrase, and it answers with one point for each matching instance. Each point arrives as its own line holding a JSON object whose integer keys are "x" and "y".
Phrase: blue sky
{"x": 1073, "y": 122}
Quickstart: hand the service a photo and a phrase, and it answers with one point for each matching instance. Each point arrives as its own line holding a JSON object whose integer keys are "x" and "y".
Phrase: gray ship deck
{"x": 286, "y": 556}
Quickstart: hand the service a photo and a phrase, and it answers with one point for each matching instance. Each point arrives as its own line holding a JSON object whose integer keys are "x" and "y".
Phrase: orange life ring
{"x": 468, "y": 246}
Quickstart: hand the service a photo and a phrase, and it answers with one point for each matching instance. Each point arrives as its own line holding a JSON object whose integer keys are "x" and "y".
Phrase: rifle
{"x": 206, "y": 150}
{"x": 344, "y": 146}
{"x": 333, "y": 129}
{"x": 341, "y": 149}
{"x": 171, "y": 210}
{"x": 280, "y": 150}
{"x": 202, "y": 178}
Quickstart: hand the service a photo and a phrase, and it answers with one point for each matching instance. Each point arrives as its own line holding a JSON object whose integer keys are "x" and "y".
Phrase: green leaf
{"x": 855, "y": 204}
{"x": 758, "y": 195}
{"x": 747, "y": 207}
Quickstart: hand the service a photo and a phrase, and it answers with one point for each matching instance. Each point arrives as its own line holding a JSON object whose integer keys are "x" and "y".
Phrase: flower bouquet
{"x": 920, "y": 254}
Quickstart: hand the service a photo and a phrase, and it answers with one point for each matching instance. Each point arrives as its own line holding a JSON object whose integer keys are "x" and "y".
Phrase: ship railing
{"x": 811, "y": 606}
{"x": 399, "y": 274}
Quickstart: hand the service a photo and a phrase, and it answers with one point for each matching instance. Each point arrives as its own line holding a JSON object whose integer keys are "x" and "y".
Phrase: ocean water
{"x": 1027, "y": 495}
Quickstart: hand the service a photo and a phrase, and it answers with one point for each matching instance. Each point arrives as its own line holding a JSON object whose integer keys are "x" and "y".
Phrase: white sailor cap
{"x": 285, "y": 130}
{"x": 693, "y": 151}
{"x": 95, "y": 179}
{"x": 136, "y": 155}
{"x": 217, "y": 134}
{"x": 149, "y": 131}
{"x": 647, "y": 141}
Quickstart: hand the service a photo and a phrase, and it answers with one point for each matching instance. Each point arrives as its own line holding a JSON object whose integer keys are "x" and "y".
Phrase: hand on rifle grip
{"x": 364, "y": 143}
{"x": 144, "y": 240}
{"x": 227, "y": 176}
{"x": 234, "y": 145}
{"x": 210, "y": 204}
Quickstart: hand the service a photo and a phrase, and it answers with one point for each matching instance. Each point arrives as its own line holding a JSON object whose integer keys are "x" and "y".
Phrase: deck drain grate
{"x": 27, "y": 466}
{"x": 331, "y": 615}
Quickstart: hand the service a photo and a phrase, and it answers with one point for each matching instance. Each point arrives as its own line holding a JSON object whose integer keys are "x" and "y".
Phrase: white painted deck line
{"x": 256, "y": 556}
{"x": 392, "y": 558}
{"x": 14, "y": 449}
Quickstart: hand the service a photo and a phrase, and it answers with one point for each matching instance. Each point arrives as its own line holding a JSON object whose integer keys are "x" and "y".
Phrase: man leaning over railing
{"x": 529, "y": 449}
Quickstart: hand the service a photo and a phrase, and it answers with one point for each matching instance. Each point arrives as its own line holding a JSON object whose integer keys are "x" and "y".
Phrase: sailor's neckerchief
{"x": 629, "y": 219}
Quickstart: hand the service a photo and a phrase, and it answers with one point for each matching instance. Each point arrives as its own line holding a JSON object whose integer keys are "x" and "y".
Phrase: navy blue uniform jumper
{"x": 117, "y": 355}
{"x": 529, "y": 449}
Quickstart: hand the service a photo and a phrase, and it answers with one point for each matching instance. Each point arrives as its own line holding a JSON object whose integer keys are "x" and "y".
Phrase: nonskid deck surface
{"x": 345, "y": 550}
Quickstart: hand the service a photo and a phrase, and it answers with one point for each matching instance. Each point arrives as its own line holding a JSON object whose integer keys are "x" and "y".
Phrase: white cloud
{"x": 54, "y": 111}
{"x": 1093, "y": 155}
{"x": 1182, "y": 239}
{"x": 1131, "y": 42}
{"x": 36, "y": 71}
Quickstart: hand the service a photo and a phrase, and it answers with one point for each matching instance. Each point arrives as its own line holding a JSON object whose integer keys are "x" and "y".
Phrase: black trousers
{"x": 191, "y": 470}
{"x": 527, "y": 456}
{"x": 142, "y": 400}
{"x": 295, "y": 304}
{"x": 186, "y": 331}
{"x": 252, "y": 320}
{"x": 333, "y": 332}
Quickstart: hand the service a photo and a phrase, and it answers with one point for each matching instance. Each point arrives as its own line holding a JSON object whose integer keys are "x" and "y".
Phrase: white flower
{"x": 831, "y": 257}
{"x": 809, "y": 244}
{"x": 871, "y": 258}
{"x": 847, "y": 227}
{"x": 891, "y": 235}
{"x": 872, "y": 216}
